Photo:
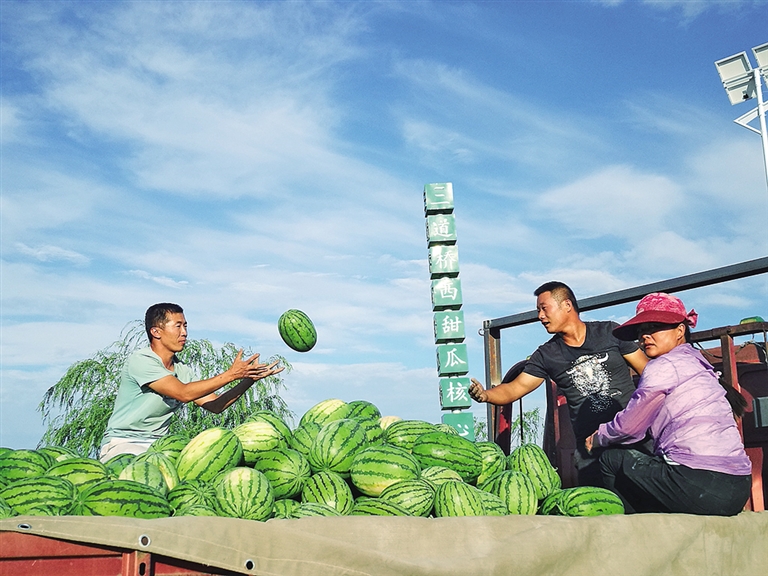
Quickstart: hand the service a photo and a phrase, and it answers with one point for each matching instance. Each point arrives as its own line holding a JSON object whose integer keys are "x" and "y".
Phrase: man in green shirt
{"x": 154, "y": 384}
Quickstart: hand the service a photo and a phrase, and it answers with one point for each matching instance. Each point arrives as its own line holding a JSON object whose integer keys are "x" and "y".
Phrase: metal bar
{"x": 707, "y": 278}
{"x": 761, "y": 114}
{"x": 736, "y": 330}
{"x": 492, "y": 345}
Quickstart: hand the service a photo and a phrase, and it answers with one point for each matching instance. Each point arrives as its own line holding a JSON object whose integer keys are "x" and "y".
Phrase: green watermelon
{"x": 211, "y": 452}
{"x": 532, "y": 461}
{"x": 303, "y": 437}
{"x": 171, "y": 445}
{"x": 363, "y": 409}
{"x": 326, "y": 411}
{"x": 196, "y": 510}
{"x": 328, "y": 488}
{"x": 27, "y": 494}
{"x": 335, "y": 446}
{"x": 494, "y": 460}
{"x": 164, "y": 464}
{"x": 5, "y": 510}
{"x": 287, "y": 470}
{"x": 23, "y": 463}
{"x": 492, "y": 504}
{"x": 309, "y": 509}
{"x": 403, "y": 433}
{"x": 589, "y": 501}
{"x": 443, "y": 427}
{"x": 373, "y": 432}
{"x": 191, "y": 493}
{"x": 58, "y": 453}
{"x": 451, "y": 451}
{"x": 515, "y": 489}
{"x": 437, "y": 475}
{"x": 551, "y": 504}
{"x": 80, "y": 471}
{"x": 257, "y": 436}
{"x": 122, "y": 498}
{"x": 244, "y": 493}
{"x": 376, "y": 467}
{"x": 116, "y": 464}
{"x": 377, "y": 507}
{"x": 415, "y": 496}
{"x": 297, "y": 330}
{"x": 146, "y": 473}
{"x": 387, "y": 421}
{"x": 285, "y": 508}
{"x": 458, "y": 499}
{"x": 274, "y": 419}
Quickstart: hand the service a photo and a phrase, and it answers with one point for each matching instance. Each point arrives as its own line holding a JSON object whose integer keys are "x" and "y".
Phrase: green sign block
{"x": 454, "y": 394}
{"x": 449, "y": 326}
{"x": 452, "y": 360}
{"x": 441, "y": 229}
{"x": 443, "y": 261}
{"x": 438, "y": 198}
{"x": 463, "y": 422}
{"x": 446, "y": 294}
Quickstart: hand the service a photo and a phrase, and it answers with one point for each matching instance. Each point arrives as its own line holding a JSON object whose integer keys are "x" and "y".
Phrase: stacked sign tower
{"x": 452, "y": 358}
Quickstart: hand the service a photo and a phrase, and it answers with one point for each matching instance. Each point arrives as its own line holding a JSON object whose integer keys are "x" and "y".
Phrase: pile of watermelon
{"x": 343, "y": 458}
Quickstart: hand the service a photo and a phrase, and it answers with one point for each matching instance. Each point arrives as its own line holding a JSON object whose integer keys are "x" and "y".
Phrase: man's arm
{"x": 637, "y": 360}
{"x": 203, "y": 390}
{"x": 506, "y": 392}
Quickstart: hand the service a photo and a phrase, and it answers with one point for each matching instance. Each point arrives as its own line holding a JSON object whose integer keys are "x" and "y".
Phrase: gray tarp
{"x": 652, "y": 544}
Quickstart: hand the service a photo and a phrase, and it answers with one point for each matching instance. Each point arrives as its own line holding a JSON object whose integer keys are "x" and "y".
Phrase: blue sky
{"x": 244, "y": 158}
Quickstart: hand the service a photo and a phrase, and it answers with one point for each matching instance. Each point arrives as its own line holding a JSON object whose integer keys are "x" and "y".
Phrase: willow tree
{"x": 76, "y": 409}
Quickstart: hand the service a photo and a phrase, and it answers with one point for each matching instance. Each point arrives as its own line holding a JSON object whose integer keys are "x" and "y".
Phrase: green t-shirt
{"x": 139, "y": 411}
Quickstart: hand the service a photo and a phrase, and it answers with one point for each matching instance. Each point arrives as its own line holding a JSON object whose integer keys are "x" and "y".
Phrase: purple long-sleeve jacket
{"x": 681, "y": 403}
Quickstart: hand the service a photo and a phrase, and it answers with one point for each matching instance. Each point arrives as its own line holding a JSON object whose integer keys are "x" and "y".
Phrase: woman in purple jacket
{"x": 699, "y": 464}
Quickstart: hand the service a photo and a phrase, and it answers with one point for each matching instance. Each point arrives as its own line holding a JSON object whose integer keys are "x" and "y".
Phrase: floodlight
{"x": 737, "y": 78}
{"x": 761, "y": 55}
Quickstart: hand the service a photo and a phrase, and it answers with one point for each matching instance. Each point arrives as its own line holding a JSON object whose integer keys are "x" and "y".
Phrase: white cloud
{"x": 52, "y": 254}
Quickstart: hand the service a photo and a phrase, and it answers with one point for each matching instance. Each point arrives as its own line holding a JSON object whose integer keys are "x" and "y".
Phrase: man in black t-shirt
{"x": 586, "y": 361}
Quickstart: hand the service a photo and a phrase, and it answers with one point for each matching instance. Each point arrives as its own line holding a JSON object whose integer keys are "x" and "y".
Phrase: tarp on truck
{"x": 643, "y": 544}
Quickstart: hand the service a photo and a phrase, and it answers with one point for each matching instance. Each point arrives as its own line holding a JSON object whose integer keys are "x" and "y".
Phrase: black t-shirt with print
{"x": 594, "y": 377}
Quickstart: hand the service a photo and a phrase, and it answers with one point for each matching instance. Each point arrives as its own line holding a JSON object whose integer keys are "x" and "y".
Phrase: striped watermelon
{"x": 551, "y": 504}
{"x": 58, "y": 453}
{"x": 376, "y": 467}
{"x": 515, "y": 489}
{"x": 44, "y": 510}
{"x": 415, "y": 496}
{"x": 303, "y": 437}
{"x": 171, "y": 445}
{"x": 18, "y": 464}
{"x": 326, "y": 411}
{"x": 492, "y": 504}
{"x": 458, "y": 499}
{"x": 297, "y": 330}
{"x": 257, "y": 436}
{"x": 437, "y": 475}
{"x": 451, "y": 451}
{"x": 403, "y": 433}
{"x": 387, "y": 421}
{"x": 164, "y": 464}
{"x": 27, "y": 494}
{"x": 285, "y": 508}
{"x": 287, "y": 470}
{"x": 275, "y": 420}
{"x": 443, "y": 427}
{"x": 363, "y": 409}
{"x": 328, "y": 488}
{"x": 589, "y": 501}
{"x": 5, "y": 510}
{"x": 373, "y": 432}
{"x": 531, "y": 460}
{"x": 209, "y": 453}
{"x": 191, "y": 493}
{"x": 122, "y": 498}
{"x": 335, "y": 446}
{"x": 494, "y": 460}
{"x": 311, "y": 509}
{"x": 377, "y": 507}
{"x": 80, "y": 471}
{"x": 244, "y": 493}
{"x": 116, "y": 464}
{"x": 145, "y": 473}
{"x": 196, "y": 510}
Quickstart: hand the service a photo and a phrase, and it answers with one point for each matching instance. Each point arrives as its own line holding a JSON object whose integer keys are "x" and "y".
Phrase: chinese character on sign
{"x": 452, "y": 325}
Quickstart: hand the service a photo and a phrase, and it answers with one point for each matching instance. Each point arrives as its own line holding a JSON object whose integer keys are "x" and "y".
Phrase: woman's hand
{"x": 590, "y": 441}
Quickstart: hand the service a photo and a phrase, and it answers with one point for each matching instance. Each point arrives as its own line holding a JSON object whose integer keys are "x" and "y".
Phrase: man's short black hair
{"x": 560, "y": 292}
{"x": 157, "y": 314}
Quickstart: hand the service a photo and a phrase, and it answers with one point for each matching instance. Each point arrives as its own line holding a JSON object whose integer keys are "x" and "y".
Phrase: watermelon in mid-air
{"x": 297, "y": 330}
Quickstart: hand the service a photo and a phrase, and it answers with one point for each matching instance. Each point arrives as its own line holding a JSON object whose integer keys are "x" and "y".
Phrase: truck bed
{"x": 652, "y": 544}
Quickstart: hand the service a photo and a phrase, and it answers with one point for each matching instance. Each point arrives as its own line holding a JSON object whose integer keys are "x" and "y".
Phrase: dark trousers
{"x": 588, "y": 465}
{"x": 647, "y": 483}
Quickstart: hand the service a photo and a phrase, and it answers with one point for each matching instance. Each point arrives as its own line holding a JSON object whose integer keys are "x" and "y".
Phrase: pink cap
{"x": 657, "y": 307}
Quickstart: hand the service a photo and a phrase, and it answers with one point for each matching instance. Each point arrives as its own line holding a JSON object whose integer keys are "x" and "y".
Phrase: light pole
{"x": 742, "y": 82}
